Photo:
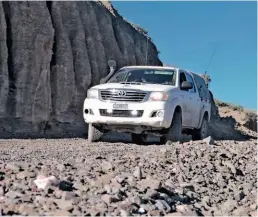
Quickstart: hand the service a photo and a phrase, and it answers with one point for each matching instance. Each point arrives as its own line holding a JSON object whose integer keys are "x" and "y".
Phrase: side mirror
{"x": 186, "y": 85}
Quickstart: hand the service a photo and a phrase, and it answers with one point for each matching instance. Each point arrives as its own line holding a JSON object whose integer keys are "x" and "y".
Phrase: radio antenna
{"x": 210, "y": 60}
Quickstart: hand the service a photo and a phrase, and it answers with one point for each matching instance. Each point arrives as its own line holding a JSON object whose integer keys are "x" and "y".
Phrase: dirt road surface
{"x": 120, "y": 178}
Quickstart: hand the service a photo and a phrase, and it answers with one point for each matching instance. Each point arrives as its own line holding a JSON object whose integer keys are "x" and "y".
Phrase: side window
{"x": 190, "y": 79}
{"x": 205, "y": 89}
{"x": 199, "y": 84}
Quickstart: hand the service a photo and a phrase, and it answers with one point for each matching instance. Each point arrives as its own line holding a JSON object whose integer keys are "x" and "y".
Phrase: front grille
{"x": 120, "y": 113}
{"x": 127, "y": 96}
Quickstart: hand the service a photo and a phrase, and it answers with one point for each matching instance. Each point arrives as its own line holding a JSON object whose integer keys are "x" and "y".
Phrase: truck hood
{"x": 142, "y": 87}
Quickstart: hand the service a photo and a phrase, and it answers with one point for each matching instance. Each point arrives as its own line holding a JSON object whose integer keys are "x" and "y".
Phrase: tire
{"x": 163, "y": 140}
{"x": 203, "y": 132}
{"x": 139, "y": 139}
{"x": 94, "y": 134}
{"x": 174, "y": 133}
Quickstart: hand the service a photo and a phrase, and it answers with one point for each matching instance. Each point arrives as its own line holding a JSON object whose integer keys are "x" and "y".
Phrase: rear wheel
{"x": 174, "y": 133}
{"x": 139, "y": 139}
{"x": 203, "y": 132}
{"x": 94, "y": 134}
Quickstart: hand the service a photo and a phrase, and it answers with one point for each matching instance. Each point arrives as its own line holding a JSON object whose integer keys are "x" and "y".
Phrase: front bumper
{"x": 145, "y": 120}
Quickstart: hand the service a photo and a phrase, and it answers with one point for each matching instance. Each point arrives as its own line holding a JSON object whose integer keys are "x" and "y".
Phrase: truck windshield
{"x": 150, "y": 76}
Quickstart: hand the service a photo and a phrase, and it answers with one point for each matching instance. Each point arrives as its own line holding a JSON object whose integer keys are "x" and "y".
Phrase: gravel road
{"x": 114, "y": 178}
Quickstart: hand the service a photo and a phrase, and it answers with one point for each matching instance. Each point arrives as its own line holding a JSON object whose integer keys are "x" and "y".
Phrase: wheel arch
{"x": 176, "y": 108}
{"x": 205, "y": 113}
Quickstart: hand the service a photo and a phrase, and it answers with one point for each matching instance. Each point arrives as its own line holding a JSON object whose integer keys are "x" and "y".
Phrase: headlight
{"x": 158, "y": 96}
{"x": 93, "y": 94}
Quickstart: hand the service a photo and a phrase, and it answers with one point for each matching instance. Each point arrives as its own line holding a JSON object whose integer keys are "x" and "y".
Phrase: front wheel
{"x": 203, "y": 132}
{"x": 163, "y": 140}
{"x": 174, "y": 133}
{"x": 139, "y": 139}
{"x": 94, "y": 134}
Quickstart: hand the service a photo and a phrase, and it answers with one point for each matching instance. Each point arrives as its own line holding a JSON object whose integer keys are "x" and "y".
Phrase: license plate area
{"x": 121, "y": 106}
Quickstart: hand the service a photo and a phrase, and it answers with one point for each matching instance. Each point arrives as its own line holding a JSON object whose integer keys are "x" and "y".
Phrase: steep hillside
{"x": 245, "y": 120}
{"x": 231, "y": 122}
{"x": 51, "y": 53}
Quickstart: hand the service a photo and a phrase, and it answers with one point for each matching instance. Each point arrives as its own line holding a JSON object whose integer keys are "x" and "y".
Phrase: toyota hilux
{"x": 142, "y": 100}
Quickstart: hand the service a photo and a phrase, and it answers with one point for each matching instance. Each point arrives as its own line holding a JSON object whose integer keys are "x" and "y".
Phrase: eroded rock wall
{"x": 51, "y": 53}
{"x": 4, "y": 80}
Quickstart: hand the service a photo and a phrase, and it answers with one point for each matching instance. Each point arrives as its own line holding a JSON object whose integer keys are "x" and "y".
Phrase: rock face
{"x": 4, "y": 81}
{"x": 51, "y": 53}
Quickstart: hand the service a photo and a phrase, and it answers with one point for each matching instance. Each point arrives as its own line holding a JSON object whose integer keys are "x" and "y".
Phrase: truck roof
{"x": 160, "y": 67}
{"x": 152, "y": 67}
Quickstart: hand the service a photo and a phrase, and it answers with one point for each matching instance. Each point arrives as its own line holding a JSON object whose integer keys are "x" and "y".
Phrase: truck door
{"x": 185, "y": 101}
{"x": 194, "y": 102}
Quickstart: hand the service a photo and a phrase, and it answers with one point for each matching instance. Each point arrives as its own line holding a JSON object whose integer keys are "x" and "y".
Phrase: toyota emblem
{"x": 121, "y": 93}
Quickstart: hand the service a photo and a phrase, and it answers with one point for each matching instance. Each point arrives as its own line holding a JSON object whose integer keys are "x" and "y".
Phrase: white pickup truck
{"x": 142, "y": 100}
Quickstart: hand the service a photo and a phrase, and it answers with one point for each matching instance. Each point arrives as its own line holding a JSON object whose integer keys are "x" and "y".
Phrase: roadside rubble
{"x": 75, "y": 178}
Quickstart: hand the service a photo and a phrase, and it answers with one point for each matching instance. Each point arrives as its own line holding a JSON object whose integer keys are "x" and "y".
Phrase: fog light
{"x": 134, "y": 112}
{"x": 86, "y": 111}
{"x": 160, "y": 113}
{"x": 109, "y": 111}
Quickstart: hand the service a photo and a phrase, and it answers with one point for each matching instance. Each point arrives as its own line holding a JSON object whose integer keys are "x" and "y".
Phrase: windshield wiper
{"x": 149, "y": 83}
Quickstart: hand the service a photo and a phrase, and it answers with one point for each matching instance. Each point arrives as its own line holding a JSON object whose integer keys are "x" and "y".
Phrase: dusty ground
{"x": 193, "y": 178}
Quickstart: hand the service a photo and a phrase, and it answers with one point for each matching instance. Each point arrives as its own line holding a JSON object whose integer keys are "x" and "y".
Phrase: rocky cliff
{"x": 51, "y": 53}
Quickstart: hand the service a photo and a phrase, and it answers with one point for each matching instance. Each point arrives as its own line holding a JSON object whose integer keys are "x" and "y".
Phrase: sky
{"x": 186, "y": 34}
